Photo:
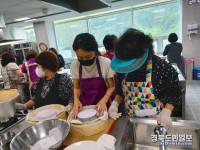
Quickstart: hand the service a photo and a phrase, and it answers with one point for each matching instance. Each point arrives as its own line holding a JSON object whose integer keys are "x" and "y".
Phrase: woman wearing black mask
{"x": 92, "y": 75}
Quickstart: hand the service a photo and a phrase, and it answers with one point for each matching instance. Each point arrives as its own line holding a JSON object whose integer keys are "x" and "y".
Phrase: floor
{"x": 192, "y": 107}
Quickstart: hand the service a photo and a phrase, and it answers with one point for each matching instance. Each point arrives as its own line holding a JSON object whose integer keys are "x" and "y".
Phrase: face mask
{"x": 87, "y": 62}
{"x": 39, "y": 72}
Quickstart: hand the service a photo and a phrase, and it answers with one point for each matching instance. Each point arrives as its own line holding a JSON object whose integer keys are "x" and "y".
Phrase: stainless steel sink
{"x": 136, "y": 134}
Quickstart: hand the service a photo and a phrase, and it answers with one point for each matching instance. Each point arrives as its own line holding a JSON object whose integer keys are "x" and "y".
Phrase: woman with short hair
{"x": 60, "y": 58}
{"x": 109, "y": 44}
{"x": 173, "y": 51}
{"x": 10, "y": 71}
{"x": 51, "y": 88}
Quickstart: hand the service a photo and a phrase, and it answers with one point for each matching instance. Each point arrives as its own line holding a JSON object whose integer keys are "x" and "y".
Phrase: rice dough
{"x": 47, "y": 113}
{"x": 6, "y": 95}
{"x": 87, "y": 113}
{"x": 51, "y": 139}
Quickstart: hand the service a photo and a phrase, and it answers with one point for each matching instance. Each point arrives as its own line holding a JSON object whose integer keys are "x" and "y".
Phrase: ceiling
{"x": 13, "y": 9}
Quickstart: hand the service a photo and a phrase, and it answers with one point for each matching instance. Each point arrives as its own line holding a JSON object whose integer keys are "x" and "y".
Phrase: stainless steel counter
{"x": 179, "y": 111}
{"x": 17, "y": 127}
{"x": 135, "y": 134}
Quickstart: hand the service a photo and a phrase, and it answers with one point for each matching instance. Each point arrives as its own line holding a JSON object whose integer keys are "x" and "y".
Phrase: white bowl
{"x": 85, "y": 145}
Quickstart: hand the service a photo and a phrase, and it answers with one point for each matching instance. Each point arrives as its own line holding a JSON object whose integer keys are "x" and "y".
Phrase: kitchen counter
{"x": 179, "y": 111}
{"x": 123, "y": 130}
{"x": 17, "y": 127}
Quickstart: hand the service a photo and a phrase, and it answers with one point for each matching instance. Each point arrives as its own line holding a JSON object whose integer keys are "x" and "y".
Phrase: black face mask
{"x": 87, "y": 62}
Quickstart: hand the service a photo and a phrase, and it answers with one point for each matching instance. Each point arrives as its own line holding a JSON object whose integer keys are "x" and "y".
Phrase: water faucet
{"x": 160, "y": 130}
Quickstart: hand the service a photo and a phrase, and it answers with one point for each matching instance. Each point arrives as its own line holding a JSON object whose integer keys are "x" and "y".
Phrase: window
{"x": 30, "y": 35}
{"x": 165, "y": 43}
{"x": 65, "y": 35}
{"x": 159, "y": 21}
{"x": 110, "y": 24}
{"x": 155, "y": 45}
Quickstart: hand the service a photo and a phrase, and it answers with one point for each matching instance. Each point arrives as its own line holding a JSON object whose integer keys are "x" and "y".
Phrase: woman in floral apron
{"x": 148, "y": 85}
{"x": 11, "y": 74}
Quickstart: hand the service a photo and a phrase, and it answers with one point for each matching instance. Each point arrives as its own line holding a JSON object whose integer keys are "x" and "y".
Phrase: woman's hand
{"x": 77, "y": 106}
{"x": 101, "y": 107}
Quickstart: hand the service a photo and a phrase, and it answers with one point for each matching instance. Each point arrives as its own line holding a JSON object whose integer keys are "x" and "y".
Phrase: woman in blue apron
{"x": 92, "y": 75}
{"x": 148, "y": 85}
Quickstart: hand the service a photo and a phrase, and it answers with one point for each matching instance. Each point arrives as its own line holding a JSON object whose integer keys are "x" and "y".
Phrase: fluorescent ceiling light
{"x": 30, "y": 20}
{"x": 13, "y": 42}
{"x": 21, "y": 19}
{"x": 111, "y": 19}
{"x": 73, "y": 26}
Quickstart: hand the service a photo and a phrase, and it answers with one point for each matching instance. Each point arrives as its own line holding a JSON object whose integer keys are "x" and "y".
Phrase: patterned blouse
{"x": 9, "y": 69}
{"x": 164, "y": 80}
{"x": 65, "y": 87}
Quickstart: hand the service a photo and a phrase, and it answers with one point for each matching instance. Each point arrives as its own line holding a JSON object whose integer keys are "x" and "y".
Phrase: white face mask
{"x": 39, "y": 72}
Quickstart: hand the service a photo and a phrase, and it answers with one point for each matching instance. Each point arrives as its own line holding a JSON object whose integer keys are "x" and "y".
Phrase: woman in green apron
{"x": 148, "y": 85}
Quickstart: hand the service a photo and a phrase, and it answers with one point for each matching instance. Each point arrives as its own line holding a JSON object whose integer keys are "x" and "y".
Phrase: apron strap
{"x": 80, "y": 71}
{"x": 29, "y": 77}
{"x": 149, "y": 70}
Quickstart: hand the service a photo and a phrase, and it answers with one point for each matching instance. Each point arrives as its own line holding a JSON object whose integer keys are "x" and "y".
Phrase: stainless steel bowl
{"x": 28, "y": 137}
{"x": 7, "y": 109}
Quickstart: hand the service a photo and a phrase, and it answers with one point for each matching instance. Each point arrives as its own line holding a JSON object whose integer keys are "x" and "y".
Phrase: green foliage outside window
{"x": 66, "y": 32}
{"x": 115, "y": 23}
{"x": 158, "y": 20}
{"x": 30, "y": 35}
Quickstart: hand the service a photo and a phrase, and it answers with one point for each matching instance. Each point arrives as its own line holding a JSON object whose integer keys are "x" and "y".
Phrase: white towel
{"x": 77, "y": 121}
{"x": 107, "y": 141}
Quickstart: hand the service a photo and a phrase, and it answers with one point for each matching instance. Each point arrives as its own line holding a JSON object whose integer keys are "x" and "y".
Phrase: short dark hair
{"x": 53, "y": 50}
{"x": 86, "y": 42}
{"x": 172, "y": 37}
{"x": 132, "y": 44}
{"x": 47, "y": 60}
{"x": 109, "y": 42}
{"x": 31, "y": 54}
{"x": 7, "y": 58}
